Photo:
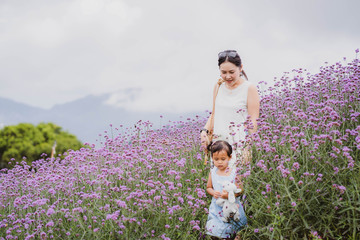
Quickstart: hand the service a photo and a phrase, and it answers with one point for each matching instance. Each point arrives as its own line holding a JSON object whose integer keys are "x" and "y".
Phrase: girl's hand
{"x": 217, "y": 194}
{"x": 224, "y": 194}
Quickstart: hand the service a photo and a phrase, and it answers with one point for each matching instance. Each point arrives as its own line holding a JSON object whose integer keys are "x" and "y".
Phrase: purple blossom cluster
{"x": 147, "y": 183}
{"x": 305, "y": 172}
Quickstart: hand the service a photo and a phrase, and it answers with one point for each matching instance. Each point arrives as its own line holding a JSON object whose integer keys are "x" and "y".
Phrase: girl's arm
{"x": 253, "y": 106}
{"x": 209, "y": 186}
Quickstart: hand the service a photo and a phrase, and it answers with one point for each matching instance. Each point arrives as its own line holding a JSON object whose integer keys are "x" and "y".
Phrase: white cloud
{"x": 123, "y": 99}
{"x": 55, "y": 52}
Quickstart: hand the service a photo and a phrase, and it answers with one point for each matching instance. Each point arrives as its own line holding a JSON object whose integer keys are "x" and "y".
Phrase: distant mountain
{"x": 11, "y": 111}
{"x": 86, "y": 117}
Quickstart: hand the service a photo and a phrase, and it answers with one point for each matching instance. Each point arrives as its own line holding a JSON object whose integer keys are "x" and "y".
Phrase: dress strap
{"x": 213, "y": 171}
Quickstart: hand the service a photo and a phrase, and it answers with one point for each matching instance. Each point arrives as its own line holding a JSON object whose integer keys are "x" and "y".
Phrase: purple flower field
{"x": 304, "y": 181}
{"x": 144, "y": 183}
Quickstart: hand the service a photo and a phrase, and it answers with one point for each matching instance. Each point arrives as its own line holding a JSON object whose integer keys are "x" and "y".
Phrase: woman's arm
{"x": 207, "y": 125}
{"x": 253, "y": 106}
{"x": 203, "y": 134}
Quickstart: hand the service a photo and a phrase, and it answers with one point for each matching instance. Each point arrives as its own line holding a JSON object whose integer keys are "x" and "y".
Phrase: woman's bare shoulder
{"x": 252, "y": 88}
{"x": 252, "y": 85}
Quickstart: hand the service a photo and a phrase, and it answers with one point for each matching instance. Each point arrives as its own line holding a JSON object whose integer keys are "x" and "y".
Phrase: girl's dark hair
{"x": 234, "y": 60}
{"x": 219, "y": 146}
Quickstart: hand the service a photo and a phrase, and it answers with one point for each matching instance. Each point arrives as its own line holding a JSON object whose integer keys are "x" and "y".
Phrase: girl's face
{"x": 221, "y": 159}
{"x": 230, "y": 73}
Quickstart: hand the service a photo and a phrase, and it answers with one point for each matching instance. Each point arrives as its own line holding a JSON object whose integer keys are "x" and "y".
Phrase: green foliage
{"x": 29, "y": 142}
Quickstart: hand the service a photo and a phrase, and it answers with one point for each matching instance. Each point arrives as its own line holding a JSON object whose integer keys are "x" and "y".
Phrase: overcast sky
{"x": 161, "y": 53}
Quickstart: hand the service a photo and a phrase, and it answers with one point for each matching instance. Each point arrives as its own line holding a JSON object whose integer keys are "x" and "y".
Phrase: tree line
{"x": 28, "y": 142}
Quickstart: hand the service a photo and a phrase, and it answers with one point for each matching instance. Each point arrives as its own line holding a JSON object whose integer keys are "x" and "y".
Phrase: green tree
{"x": 28, "y": 141}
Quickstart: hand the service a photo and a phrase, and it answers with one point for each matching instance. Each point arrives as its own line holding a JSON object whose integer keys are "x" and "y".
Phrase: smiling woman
{"x": 234, "y": 101}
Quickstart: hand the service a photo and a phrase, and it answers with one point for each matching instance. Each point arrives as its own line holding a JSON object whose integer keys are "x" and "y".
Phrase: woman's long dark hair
{"x": 234, "y": 60}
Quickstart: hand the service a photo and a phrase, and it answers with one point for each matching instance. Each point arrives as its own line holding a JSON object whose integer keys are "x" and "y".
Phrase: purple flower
{"x": 121, "y": 204}
{"x": 196, "y": 227}
{"x": 52, "y": 191}
{"x": 296, "y": 165}
{"x": 50, "y": 211}
{"x": 50, "y": 224}
{"x": 342, "y": 189}
{"x": 40, "y": 202}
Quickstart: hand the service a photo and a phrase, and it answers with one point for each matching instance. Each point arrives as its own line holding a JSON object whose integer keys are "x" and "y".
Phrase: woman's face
{"x": 230, "y": 73}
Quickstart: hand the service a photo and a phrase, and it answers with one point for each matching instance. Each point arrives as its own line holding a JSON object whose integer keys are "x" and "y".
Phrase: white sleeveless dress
{"x": 230, "y": 115}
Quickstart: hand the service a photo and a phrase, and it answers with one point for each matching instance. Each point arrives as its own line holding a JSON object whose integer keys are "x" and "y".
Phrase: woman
{"x": 236, "y": 99}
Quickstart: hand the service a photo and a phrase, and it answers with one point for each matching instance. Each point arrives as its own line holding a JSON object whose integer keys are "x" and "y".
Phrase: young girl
{"x": 221, "y": 153}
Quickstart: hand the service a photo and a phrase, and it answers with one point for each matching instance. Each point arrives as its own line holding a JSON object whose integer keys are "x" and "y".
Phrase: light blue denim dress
{"x": 215, "y": 226}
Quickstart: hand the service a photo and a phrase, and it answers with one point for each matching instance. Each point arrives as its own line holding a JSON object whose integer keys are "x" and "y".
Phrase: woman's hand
{"x": 204, "y": 140}
{"x": 246, "y": 155}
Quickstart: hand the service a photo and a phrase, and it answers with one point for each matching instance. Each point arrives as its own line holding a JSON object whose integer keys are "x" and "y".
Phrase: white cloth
{"x": 230, "y": 115}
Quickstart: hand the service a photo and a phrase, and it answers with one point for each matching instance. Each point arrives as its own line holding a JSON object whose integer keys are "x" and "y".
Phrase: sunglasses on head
{"x": 224, "y": 54}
